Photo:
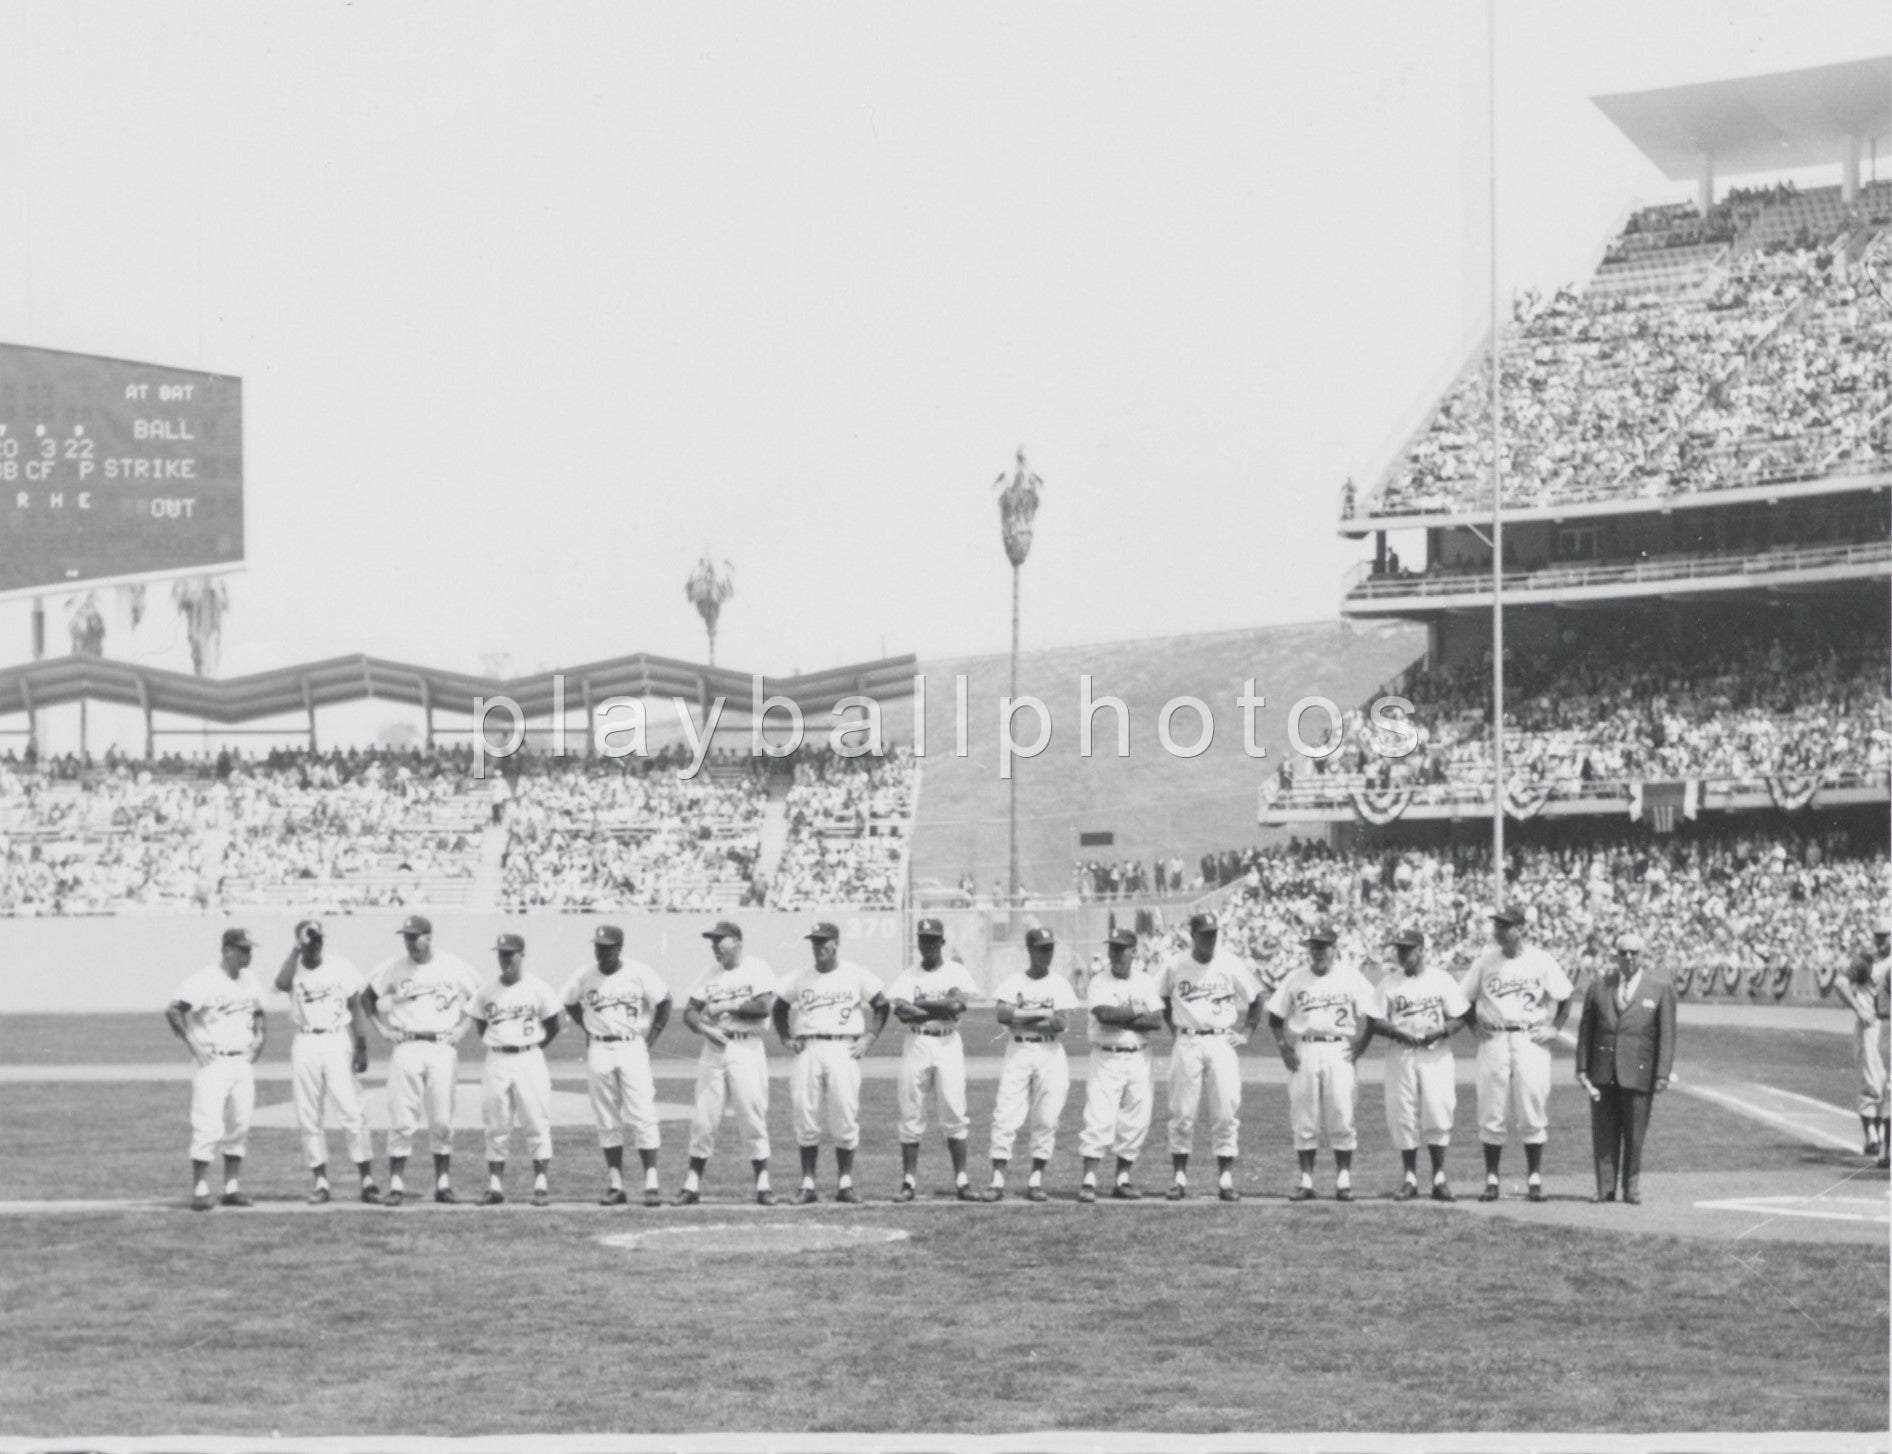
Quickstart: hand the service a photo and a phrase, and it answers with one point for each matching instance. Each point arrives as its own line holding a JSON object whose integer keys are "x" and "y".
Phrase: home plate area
{"x": 568, "y": 1109}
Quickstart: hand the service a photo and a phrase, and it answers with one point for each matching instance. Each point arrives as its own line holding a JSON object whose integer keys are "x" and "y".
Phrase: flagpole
{"x": 1497, "y": 499}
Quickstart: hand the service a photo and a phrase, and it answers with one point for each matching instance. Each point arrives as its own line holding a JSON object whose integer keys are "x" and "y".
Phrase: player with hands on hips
{"x": 622, "y": 1006}
{"x": 1417, "y": 1007}
{"x": 729, "y": 1010}
{"x": 328, "y": 1055}
{"x": 1036, "y": 1077}
{"x": 1520, "y": 998}
{"x": 517, "y": 1015}
{"x": 417, "y": 1001}
{"x": 1212, "y": 1001}
{"x": 218, "y": 1014}
{"x": 1322, "y": 1017}
{"x": 821, "y": 1016}
{"x": 1126, "y": 1009}
{"x": 929, "y": 998}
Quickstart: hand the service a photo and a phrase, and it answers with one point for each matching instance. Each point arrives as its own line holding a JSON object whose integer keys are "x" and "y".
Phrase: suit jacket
{"x": 1633, "y": 1049}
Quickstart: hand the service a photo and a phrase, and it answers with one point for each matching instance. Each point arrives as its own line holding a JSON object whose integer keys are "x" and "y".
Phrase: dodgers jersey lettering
{"x": 1137, "y": 992}
{"x": 221, "y": 1008}
{"x": 831, "y": 1003}
{"x": 1335, "y": 1003}
{"x": 1022, "y": 992}
{"x": 947, "y": 981}
{"x": 727, "y": 990}
{"x": 619, "y": 1003}
{"x": 1516, "y": 992}
{"x": 318, "y": 998}
{"x": 1212, "y": 996}
{"x": 424, "y": 998}
{"x": 1419, "y": 1004}
{"x": 513, "y": 1012}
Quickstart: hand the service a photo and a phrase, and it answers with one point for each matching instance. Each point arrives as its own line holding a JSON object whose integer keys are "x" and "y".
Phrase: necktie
{"x": 1622, "y": 995}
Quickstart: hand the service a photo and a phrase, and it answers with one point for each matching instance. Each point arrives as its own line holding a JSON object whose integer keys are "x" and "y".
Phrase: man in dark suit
{"x": 1625, "y": 1049}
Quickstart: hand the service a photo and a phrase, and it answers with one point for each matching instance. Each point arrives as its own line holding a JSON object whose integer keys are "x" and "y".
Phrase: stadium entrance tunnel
{"x": 765, "y": 1237}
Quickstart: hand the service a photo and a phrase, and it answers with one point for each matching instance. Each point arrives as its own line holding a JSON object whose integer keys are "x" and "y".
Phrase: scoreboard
{"x": 110, "y": 469}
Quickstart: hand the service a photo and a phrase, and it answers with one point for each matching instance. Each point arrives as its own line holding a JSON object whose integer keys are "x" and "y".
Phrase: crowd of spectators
{"x": 848, "y": 826}
{"x": 1099, "y": 879}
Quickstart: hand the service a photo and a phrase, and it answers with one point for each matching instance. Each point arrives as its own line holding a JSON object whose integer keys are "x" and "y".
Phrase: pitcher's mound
{"x": 763, "y": 1237}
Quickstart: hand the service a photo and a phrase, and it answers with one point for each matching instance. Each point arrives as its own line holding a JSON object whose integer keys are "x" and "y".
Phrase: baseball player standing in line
{"x": 1321, "y": 1016}
{"x": 517, "y": 1016}
{"x": 928, "y": 998}
{"x": 728, "y": 1010}
{"x": 821, "y": 1016}
{"x": 1417, "y": 1007}
{"x": 1127, "y": 1009}
{"x": 417, "y": 1000}
{"x": 1520, "y": 998}
{"x": 218, "y": 1014}
{"x": 1212, "y": 1001}
{"x": 1863, "y": 988}
{"x": 1036, "y": 1077}
{"x": 622, "y": 1006}
{"x": 328, "y": 1055}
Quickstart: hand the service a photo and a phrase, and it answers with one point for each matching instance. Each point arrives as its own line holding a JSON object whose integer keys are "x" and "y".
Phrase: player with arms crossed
{"x": 821, "y": 1017}
{"x": 622, "y": 1006}
{"x": 1036, "y": 1077}
{"x": 729, "y": 1010}
{"x": 417, "y": 1001}
{"x": 1212, "y": 1001}
{"x": 1321, "y": 1016}
{"x": 1520, "y": 998}
{"x": 1417, "y": 1007}
{"x": 929, "y": 997}
{"x": 328, "y": 1055}
{"x": 517, "y": 1016}
{"x": 218, "y": 1014}
{"x": 1126, "y": 1008}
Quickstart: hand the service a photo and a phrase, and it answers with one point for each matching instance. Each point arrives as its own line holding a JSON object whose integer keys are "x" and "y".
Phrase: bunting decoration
{"x": 1792, "y": 792}
{"x": 1380, "y": 806}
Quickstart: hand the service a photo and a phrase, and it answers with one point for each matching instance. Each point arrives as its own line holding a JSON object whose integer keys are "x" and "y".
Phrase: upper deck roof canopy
{"x": 1771, "y": 123}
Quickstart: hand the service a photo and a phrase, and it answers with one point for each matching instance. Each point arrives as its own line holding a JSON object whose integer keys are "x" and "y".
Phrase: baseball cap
{"x": 509, "y": 944}
{"x": 1125, "y": 937}
{"x": 1037, "y": 938}
{"x": 416, "y": 924}
{"x": 1203, "y": 923}
{"x": 725, "y": 929}
{"x": 1883, "y": 924}
{"x": 1409, "y": 938}
{"x": 930, "y": 929}
{"x": 1509, "y": 914}
{"x": 607, "y": 934}
{"x": 823, "y": 930}
{"x": 1321, "y": 934}
{"x": 238, "y": 939}
{"x": 1630, "y": 943}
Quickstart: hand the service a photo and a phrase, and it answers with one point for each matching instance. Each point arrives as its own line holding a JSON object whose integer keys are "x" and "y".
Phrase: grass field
{"x": 1203, "y": 1318}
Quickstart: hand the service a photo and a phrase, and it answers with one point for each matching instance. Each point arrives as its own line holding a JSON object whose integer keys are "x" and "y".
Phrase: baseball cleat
{"x": 202, "y": 1203}
{"x": 1885, "y": 1160}
{"x": 1125, "y": 1192}
{"x": 1177, "y": 1191}
{"x": 1442, "y": 1193}
{"x": 807, "y": 1197}
{"x": 444, "y": 1195}
{"x": 1036, "y": 1194}
{"x": 1087, "y": 1194}
{"x": 236, "y": 1199}
{"x": 1535, "y": 1193}
{"x": 541, "y": 1197}
{"x": 906, "y": 1192}
{"x": 995, "y": 1193}
{"x": 1302, "y": 1194}
{"x": 1603, "y": 1196}
{"x": 1871, "y": 1148}
{"x": 318, "y": 1197}
{"x": 1228, "y": 1194}
{"x": 1490, "y": 1193}
{"x": 1408, "y": 1192}
{"x": 965, "y": 1193}
{"x": 765, "y": 1198}
{"x": 652, "y": 1197}
{"x": 395, "y": 1197}
{"x": 1343, "y": 1194}
{"x": 614, "y": 1197}
{"x": 491, "y": 1199}
{"x": 1634, "y": 1198}
{"x": 687, "y": 1198}
{"x": 371, "y": 1194}
{"x": 846, "y": 1194}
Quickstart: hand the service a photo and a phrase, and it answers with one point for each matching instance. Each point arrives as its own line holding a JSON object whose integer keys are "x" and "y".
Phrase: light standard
{"x": 1018, "y": 507}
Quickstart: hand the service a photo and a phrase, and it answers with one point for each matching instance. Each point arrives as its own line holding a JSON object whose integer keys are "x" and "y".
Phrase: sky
{"x": 533, "y": 305}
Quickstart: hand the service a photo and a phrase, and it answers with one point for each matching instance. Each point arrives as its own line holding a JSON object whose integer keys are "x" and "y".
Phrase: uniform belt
{"x": 1118, "y": 1049}
{"x": 1188, "y": 1031}
{"x": 830, "y": 1037}
{"x": 322, "y": 1030}
{"x": 1033, "y": 1039}
{"x": 931, "y": 1033}
{"x": 1518, "y": 1029}
{"x": 615, "y": 1039}
{"x": 1323, "y": 1039}
{"x": 227, "y": 1052}
{"x": 738, "y": 1035}
{"x": 430, "y": 1036}
{"x": 512, "y": 1049}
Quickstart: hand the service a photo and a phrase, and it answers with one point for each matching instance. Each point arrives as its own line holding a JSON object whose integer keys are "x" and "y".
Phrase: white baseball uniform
{"x": 1322, "y": 1013}
{"x": 828, "y": 1012}
{"x": 1513, "y": 998}
{"x": 322, "y": 1057}
{"x": 428, "y": 1000}
{"x": 1868, "y": 1033}
{"x": 1208, "y": 1005}
{"x": 736, "y": 1074}
{"x": 1421, "y": 1085}
{"x": 220, "y": 1020}
{"x": 1036, "y": 1077}
{"x": 934, "y": 1056}
{"x": 516, "y": 1081}
{"x": 618, "y": 1008}
{"x": 1117, "y": 1092}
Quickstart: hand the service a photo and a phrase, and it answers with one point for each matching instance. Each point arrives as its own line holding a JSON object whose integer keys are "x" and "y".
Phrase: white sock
{"x": 961, "y": 1179}
{"x": 1123, "y": 1178}
{"x": 843, "y": 1180}
{"x": 1227, "y": 1178}
{"x": 1036, "y": 1178}
{"x": 1491, "y": 1178}
{"x": 539, "y": 1182}
{"x": 1438, "y": 1178}
{"x": 1412, "y": 1178}
{"x": 202, "y": 1189}
{"x": 690, "y": 1182}
{"x": 616, "y": 1179}
{"x": 1533, "y": 1179}
{"x": 1090, "y": 1178}
{"x": 650, "y": 1178}
{"x": 1307, "y": 1178}
{"x": 761, "y": 1181}
{"x": 808, "y": 1183}
{"x": 495, "y": 1183}
{"x": 998, "y": 1178}
{"x": 1343, "y": 1177}
{"x": 394, "y": 1183}
{"x": 906, "y": 1178}
{"x": 229, "y": 1185}
{"x": 321, "y": 1183}
{"x": 440, "y": 1182}
{"x": 1182, "y": 1178}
